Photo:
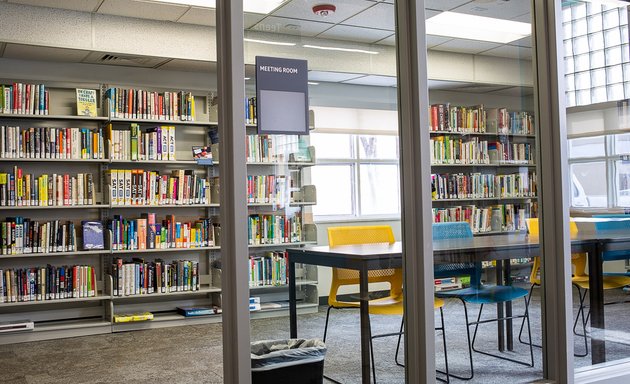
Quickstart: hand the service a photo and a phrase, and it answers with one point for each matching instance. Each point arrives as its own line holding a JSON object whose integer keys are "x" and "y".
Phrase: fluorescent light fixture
{"x": 268, "y": 42}
{"x": 481, "y": 28}
{"x": 313, "y": 83}
{"x": 341, "y": 49}
{"x": 248, "y": 78}
{"x": 250, "y": 6}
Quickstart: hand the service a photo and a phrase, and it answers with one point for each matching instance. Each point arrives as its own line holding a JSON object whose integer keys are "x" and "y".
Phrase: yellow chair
{"x": 579, "y": 280}
{"x": 392, "y": 304}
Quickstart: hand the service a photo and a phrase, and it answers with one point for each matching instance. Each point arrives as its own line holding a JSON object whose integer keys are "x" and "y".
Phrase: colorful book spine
{"x": 51, "y": 143}
{"x": 274, "y": 229}
{"x": 24, "y": 99}
{"x": 148, "y": 105}
{"x": 19, "y": 235}
{"x": 140, "y": 277}
{"x": 482, "y": 186}
{"x": 269, "y": 269}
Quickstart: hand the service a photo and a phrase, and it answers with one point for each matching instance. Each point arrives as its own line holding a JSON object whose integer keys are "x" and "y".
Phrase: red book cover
{"x": 66, "y": 189}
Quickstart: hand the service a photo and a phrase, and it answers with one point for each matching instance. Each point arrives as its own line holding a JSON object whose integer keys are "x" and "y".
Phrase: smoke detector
{"x": 324, "y": 10}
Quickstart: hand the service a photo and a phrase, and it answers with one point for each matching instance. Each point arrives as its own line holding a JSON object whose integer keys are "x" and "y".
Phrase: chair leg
{"x": 402, "y": 324}
{"x": 526, "y": 316}
{"x": 520, "y": 332}
{"x": 326, "y": 326}
{"x": 470, "y": 356}
{"x": 582, "y": 297}
{"x": 448, "y": 379}
{"x": 371, "y": 349}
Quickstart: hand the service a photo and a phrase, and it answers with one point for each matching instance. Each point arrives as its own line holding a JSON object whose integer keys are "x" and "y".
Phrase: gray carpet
{"x": 193, "y": 354}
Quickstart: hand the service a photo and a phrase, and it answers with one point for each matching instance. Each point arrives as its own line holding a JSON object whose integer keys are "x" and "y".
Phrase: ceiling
{"x": 364, "y": 21}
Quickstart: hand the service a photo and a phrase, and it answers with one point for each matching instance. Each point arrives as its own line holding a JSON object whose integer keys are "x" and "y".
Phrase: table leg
{"x": 365, "y": 325}
{"x": 508, "y": 307}
{"x": 292, "y": 301}
{"x": 596, "y": 295}
{"x": 500, "y": 323}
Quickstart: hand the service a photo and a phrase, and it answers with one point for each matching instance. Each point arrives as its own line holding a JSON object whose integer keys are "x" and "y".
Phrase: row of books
{"x": 141, "y": 187}
{"x": 251, "y": 111}
{"x": 476, "y": 119}
{"x": 142, "y": 104}
{"x": 494, "y": 218}
{"x": 274, "y": 229}
{"x": 50, "y": 143}
{"x": 138, "y": 277}
{"x": 269, "y": 269}
{"x": 266, "y": 189}
{"x": 457, "y": 150}
{"x": 478, "y": 185}
{"x": 26, "y": 189}
{"x": 47, "y": 283}
{"x": 23, "y": 235}
{"x": 260, "y": 148}
{"x": 155, "y": 143}
{"x": 509, "y": 152}
{"x": 147, "y": 233}
{"x": 24, "y": 99}
{"x": 450, "y": 118}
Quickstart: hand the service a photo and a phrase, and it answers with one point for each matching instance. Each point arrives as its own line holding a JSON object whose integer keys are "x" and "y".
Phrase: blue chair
{"x": 477, "y": 293}
{"x": 619, "y": 222}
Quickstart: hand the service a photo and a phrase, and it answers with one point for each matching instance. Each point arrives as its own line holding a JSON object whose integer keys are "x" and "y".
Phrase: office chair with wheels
{"x": 392, "y": 304}
{"x": 477, "y": 293}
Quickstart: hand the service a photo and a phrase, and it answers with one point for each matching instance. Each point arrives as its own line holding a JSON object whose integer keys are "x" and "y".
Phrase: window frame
{"x": 355, "y": 163}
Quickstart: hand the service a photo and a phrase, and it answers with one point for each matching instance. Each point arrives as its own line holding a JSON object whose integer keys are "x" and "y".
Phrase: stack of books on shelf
{"x": 448, "y": 118}
{"x": 155, "y": 143}
{"x": 269, "y": 269}
{"x": 47, "y": 283}
{"x": 512, "y": 123}
{"x": 251, "y": 111}
{"x": 141, "y": 187}
{"x": 146, "y": 233}
{"x": 266, "y": 189}
{"x": 24, "y": 236}
{"x": 507, "y": 152}
{"x": 478, "y": 185}
{"x": 50, "y": 143}
{"x": 141, "y": 104}
{"x": 457, "y": 150}
{"x": 26, "y": 189}
{"x": 493, "y": 218}
{"x": 274, "y": 229}
{"x": 139, "y": 277}
{"x": 24, "y": 99}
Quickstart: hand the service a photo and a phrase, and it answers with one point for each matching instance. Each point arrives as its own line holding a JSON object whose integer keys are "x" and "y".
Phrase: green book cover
{"x": 134, "y": 141}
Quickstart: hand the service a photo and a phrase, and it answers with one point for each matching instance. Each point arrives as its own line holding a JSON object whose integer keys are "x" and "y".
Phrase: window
{"x": 356, "y": 176}
{"x": 600, "y": 171}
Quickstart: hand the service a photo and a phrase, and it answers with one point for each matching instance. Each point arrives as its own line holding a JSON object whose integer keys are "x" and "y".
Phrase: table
{"x": 366, "y": 257}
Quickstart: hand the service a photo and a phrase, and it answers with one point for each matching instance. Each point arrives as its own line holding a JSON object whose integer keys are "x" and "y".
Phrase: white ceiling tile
{"x": 524, "y": 18}
{"x": 251, "y": 19}
{"x": 303, "y": 9}
{"x": 381, "y": 81}
{"x": 433, "y": 40}
{"x": 288, "y": 26}
{"x": 31, "y": 52}
{"x": 143, "y": 10}
{"x": 465, "y": 46}
{"x": 499, "y": 9}
{"x": 190, "y": 66}
{"x": 510, "y": 51}
{"x": 75, "y": 5}
{"x": 389, "y": 40}
{"x": 380, "y": 16}
{"x": 356, "y": 34}
{"x": 444, "y": 5}
{"x": 524, "y": 42}
{"x": 331, "y": 76}
{"x": 199, "y": 16}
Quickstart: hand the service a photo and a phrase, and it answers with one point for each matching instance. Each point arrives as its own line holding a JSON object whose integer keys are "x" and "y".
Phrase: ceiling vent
{"x": 123, "y": 60}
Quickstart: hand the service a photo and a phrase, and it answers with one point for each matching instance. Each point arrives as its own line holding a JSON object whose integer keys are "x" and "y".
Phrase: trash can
{"x": 288, "y": 361}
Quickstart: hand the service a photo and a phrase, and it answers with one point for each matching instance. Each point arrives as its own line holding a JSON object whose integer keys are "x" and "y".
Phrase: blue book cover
{"x": 93, "y": 235}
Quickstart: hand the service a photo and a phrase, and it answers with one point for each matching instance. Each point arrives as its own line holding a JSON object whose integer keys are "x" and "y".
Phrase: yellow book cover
{"x": 86, "y": 102}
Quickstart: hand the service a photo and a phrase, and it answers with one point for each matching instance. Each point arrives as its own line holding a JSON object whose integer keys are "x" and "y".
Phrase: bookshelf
{"x": 483, "y": 168}
{"x": 82, "y": 316}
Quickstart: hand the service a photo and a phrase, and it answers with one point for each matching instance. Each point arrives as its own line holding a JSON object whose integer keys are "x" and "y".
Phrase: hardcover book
{"x": 93, "y": 235}
{"x": 86, "y": 102}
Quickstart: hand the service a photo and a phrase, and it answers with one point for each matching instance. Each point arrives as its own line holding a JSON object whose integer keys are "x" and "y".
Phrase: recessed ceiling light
{"x": 340, "y": 49}
{"x": 312, "y": 83}
{"x": 481, "y": 28}
{"x": 251, "y": 6}
{"x": 268, "y": 42}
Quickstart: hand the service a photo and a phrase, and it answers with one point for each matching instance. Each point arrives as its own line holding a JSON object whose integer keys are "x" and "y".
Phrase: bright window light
{"x": 471, "y": 27}
{"x": 268, "y": 42}
{"x": 250, "y": 6}
{"x": 340, "y": 49}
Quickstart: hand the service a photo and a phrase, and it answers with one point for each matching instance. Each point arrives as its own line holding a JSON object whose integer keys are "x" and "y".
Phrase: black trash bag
{"x": 288, "y": 361}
